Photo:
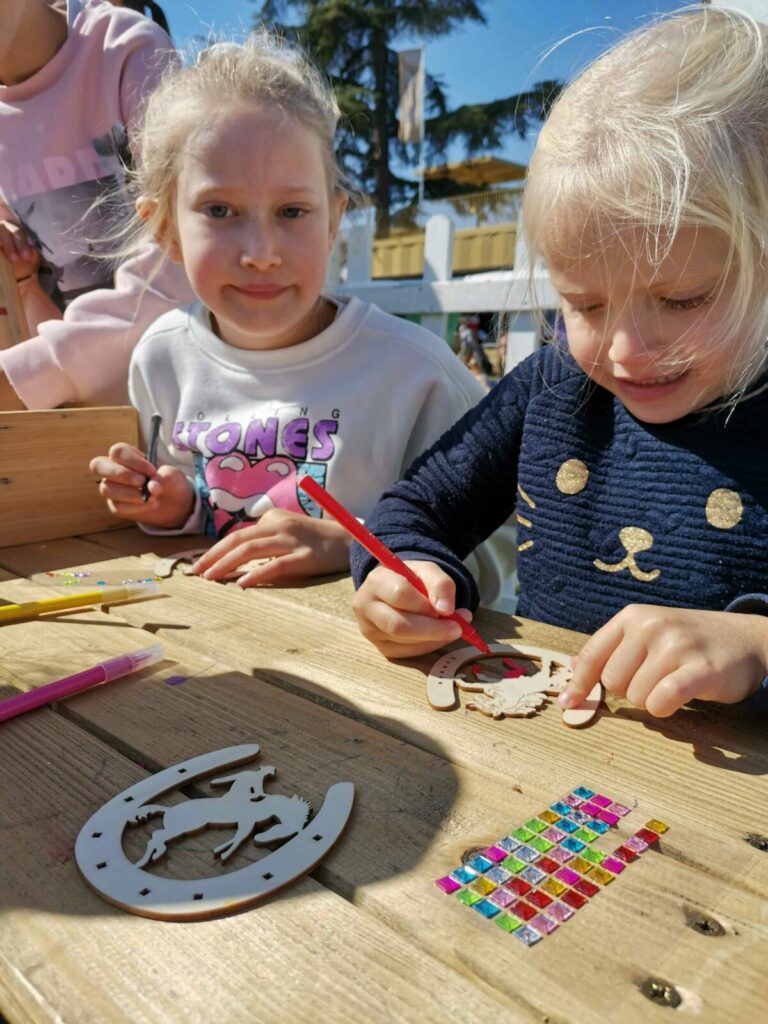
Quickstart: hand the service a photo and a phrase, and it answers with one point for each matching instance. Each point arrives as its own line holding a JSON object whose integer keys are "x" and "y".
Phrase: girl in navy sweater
{"x": 634, "y": 455}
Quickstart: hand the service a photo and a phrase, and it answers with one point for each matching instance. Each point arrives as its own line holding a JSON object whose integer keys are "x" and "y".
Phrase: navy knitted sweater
{"x": 611, "y": 511}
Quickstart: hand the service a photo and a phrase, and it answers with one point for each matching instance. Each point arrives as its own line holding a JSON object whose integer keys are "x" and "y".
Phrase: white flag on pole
{"x": 411, "y": 113}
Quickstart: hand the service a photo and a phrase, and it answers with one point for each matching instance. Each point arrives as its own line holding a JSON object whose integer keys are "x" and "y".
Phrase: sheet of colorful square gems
{"x": 531, "y": 881}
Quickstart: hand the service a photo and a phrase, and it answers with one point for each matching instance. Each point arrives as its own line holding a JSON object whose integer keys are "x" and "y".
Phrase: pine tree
{"x": 349, "y": 40}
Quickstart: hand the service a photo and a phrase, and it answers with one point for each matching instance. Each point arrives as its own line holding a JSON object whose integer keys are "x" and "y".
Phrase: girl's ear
{"x": 165, "y": 234}
{"x": 338, "y": 206}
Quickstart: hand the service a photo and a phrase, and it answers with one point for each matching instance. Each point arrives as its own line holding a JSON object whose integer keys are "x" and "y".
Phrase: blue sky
{"x": 516, "y": 47}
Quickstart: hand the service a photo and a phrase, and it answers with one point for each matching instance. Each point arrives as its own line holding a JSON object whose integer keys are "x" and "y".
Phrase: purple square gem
{"x": 609, "y": 817}
{"x": 601, "y": 801}
{"x": 568, "y": 875}
{"x": 447, "y": 884}
{"x": 495, "y": 853}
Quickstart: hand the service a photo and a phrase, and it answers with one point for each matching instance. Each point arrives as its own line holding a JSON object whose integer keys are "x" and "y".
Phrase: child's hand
{"x": 661, "y": 658}
{"x": 296, "y": 545}
{"x": 23, "y": 256}
{"x": 123, "y": 473}
{"x": 399, "y": 620}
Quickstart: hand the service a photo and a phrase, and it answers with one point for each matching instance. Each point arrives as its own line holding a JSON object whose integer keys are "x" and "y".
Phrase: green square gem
{"x": 468, "y": 897}
{"x": 508, "y": 922}
{"x": 586, "y": 835}
{"x": 593, "y": 856}
{"x": 513, "y": 864}
{"x": 523, "y": 834}
{"x": 535, "y": 825}
{"x": 540, "y": 843}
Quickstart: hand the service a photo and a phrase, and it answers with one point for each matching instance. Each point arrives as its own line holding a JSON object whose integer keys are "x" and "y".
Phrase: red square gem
{"x": 522, "y": 910}
{"x": 647, "y": 836}
{"x": 539, "y": 899}
{"x": 548, "y": 865}
{"x": 573, "y": 899}
{"x": 518, "y": 886}
{"x": 624, "y": 853}
{"x": 586, "y": 888}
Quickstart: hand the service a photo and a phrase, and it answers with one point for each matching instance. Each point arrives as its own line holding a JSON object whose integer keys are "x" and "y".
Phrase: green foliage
{"x": 349, "y": 40}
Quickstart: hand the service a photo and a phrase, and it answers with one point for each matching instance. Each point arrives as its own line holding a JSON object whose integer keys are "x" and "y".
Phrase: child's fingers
{"x": 129, "y": 456}
{"x": 592, "y": 659}
{"x": 399, "y": 628}
{"x": 110, "y": 471}
{"x": 15, "y": 243}
{"x": 236, "y": 549}
{"x": 119, "y": 494}
{"x": 281, "y": 567}
{"x": 677, "y": 688}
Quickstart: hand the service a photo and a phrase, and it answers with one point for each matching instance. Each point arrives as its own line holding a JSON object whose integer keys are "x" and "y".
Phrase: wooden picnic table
{"x": 367, "y": 936}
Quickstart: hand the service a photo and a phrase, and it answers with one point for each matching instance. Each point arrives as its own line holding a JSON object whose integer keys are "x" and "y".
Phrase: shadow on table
{"x": 720, "y": 735}
{"x": 403, "y": 794}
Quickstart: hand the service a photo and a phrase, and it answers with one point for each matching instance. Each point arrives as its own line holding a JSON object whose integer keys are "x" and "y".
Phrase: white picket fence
{"x": 438, "y": 293}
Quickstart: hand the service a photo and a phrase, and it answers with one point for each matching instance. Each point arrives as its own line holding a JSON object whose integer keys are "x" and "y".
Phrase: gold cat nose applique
{"x": 635, "y": 540}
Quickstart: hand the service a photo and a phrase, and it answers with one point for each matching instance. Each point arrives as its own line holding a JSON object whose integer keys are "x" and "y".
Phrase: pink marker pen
{"x": 103, "y": 673}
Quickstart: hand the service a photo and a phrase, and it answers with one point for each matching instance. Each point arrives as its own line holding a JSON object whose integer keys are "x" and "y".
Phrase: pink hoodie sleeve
{"x": 84, "y": 357}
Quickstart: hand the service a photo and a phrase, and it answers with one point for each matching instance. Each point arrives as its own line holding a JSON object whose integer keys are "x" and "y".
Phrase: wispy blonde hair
{"x": 262, "y": 71}
{"x": 668, "y": 129}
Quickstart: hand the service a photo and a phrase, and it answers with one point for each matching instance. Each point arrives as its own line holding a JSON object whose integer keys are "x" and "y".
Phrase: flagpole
{"x": 422, "y": 165}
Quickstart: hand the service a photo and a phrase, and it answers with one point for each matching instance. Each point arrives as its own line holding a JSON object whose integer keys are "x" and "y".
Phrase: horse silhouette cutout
{"x": 245, "y": 807}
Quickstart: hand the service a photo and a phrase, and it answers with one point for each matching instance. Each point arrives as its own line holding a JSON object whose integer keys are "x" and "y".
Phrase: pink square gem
{"x": 559, "y": 912}
{"x": 502, "y": 897}
{"x": 619, "y": 809}
{"x": 543, "y": 924}
{"x": 447, "y": 884}
{"x": 573, "y": 801}
{"x": 613, "y": 864}
{"x": 609, "y": 817}
{"x": 591, "y": 809}
{"x": 636, "y": 844}
{"x": 554, "y": 835}
{"x": 560, "y": 855}
{"x": 601, "y": 801}
{"x": 495, "y": 853}
{"x": 568, "y": 875}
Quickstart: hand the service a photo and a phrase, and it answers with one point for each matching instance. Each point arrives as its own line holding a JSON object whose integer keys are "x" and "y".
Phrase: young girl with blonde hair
{"x": 265, "y": 377}
{"x": 635, "y": 456}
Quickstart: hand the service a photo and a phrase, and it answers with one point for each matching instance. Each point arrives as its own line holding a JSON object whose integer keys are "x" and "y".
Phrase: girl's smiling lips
{"x": 261, "y": 291}
{"x": 650, "y": 388}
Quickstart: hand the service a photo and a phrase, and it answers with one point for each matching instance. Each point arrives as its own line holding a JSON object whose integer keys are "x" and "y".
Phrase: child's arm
{"x": 123, "y": 473}
{"x": 296, "y": 546}
{"x": 399, "y": 620}
{"x": 661, "y": 658}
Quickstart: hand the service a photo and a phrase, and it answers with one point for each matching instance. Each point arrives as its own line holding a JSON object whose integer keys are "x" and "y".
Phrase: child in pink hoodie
{"x": 72, "y": 81}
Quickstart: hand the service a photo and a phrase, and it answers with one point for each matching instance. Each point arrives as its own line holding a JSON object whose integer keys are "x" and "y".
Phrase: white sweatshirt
{"x": 352, "y": 407}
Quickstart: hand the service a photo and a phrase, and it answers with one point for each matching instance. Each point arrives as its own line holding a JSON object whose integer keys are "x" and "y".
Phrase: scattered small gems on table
{"x": 532, "y": 880}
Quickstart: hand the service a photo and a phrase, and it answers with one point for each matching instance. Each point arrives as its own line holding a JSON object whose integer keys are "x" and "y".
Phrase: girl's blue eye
{"x": 292, "y": 212}
{"x": 218, "y": 211}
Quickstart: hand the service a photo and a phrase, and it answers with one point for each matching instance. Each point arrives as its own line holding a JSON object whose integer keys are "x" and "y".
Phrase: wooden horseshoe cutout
{"x": 246, "y": 807}
{"x": 519, "y": 696}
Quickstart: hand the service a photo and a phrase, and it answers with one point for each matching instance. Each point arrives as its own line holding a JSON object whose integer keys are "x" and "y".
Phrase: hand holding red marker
{"x": 382, "y": 553}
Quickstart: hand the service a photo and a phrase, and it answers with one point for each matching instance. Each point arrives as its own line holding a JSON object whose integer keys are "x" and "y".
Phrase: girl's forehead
{"x": 634, "y": 252}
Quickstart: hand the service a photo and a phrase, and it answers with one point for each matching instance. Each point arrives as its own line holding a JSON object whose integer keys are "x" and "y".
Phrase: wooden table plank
{"x": 84, "y": 960}
{"x": 286, "y": 667}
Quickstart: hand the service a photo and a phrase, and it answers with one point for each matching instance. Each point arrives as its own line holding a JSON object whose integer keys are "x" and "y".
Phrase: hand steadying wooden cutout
{"x": 513, "y": 695}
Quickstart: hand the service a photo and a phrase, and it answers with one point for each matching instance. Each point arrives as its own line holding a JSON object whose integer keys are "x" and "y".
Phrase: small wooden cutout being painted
{"x": 518, "y": 692}
{"x": 253, "y": 814}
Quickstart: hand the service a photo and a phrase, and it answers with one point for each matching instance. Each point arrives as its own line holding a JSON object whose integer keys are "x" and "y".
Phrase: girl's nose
{"x": 260, "y": 252}
{"x": 632, "y": 339}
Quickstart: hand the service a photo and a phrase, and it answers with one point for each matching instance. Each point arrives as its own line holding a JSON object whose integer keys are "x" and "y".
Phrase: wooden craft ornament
{"x": 517, "y": 695}
{"x": 246, "y": 807}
